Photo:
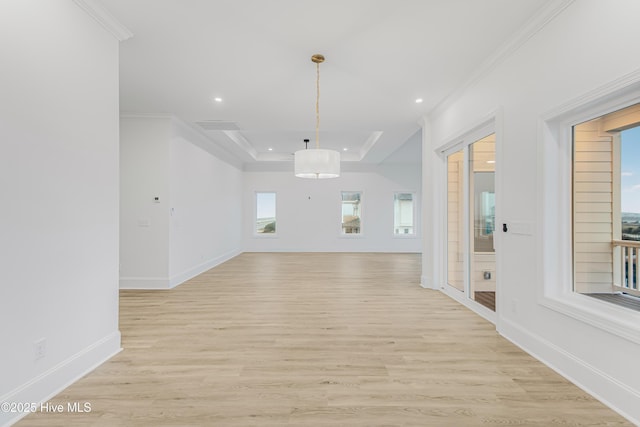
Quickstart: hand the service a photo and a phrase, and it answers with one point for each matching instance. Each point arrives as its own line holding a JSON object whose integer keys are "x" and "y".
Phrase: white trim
{"x": 133, "y": 282}
{"x": 352, "y": 235}
{"x": 238, "y": 138}
{"x": 610, "y": 97}
{"x": 369, "y": 143}
{"x": 615, "y": 320}
{"x": 196, "y": 135}
{"x": 414, "y": 200}
{"x": 200, "y": 139}
{"x": 429, "y": 223}
{"x": 163, "y": 283}
{"x": 498, "y": 130}
{"x": 540, "y": 20}
{"x": 427, "y": 283}
{"x": 616, "y": 395}
{"x": 180, "y": 278}
{"x": 471, "y": 133}
{"x": 487, "y": 125}
{"x": 255, "y": 233}
{"x": 51, "y": 382}
{"x": 461, "y": 297}
{"x": 554, "y": 249}
{"x": 431, "y": 219}
{"x": 466, "y": 216}
{"x": 95, "y": 10}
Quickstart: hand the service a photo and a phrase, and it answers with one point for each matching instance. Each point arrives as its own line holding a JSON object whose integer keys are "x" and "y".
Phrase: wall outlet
{"x": 39, "y": 349}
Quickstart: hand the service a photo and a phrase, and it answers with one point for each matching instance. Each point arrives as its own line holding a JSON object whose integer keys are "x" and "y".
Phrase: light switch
{"x": 521, "y": 227}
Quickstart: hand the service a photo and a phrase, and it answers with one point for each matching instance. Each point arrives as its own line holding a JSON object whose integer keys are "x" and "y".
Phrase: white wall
{"x": 589, "y": 44}
{"x": 59, "y": 196}
{"x": 144, "y": 223}
{"x": 309, "y": 211}
{"x": 206, "y": 201}
{"x": 195, "y": 223}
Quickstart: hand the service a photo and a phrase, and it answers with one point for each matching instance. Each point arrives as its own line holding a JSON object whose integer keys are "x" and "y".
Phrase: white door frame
{"x": 463, "y": 142}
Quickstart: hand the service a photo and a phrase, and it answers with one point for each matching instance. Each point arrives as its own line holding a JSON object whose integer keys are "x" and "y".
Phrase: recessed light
{"x": 491, "y": 161}
{"x": 217, "y": 99}
{"x": 345, "y": 149}
{"x": 270, "y": 149}
{"x": 419, "y": 101}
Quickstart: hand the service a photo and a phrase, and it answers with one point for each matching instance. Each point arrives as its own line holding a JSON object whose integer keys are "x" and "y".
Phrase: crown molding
{"x": 239, "y": 139}
{"x": 195, "y": 135}
{"x": 368, "y": 145}
{"x": 136, "y": 115}
{"x": 94, "y": 9}
{"x": 545, "y": 15}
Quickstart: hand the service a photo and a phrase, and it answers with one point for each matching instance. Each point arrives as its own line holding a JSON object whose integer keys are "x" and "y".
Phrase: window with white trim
{"x": 606, "y": 204}
{"x": 265, "y": 213}
{"x": 351, "y": 212}
{"x": 564, "y": 285}
{"x": 404, "y": 214}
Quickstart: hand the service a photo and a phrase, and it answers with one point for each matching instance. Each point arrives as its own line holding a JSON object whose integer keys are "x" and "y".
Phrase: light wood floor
{"x": 322, "y": 340}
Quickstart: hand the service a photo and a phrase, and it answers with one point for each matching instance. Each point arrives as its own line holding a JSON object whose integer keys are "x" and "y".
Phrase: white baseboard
{"x": 177, "y": 279}
{"x": 180, "y": 278}
{"x": 48, "y": 384}
{"x": 610, "y": 391}
{"x": 144, "y": 283}
{"x": 477, "y": 308}
{"x": 427, "y": 283}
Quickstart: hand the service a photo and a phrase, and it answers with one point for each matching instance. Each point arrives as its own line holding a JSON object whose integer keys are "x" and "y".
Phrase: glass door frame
{"x": 464, "y": 143}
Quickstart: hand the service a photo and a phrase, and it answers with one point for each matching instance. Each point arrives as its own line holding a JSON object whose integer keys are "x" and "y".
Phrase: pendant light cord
{"x": 318, "y": 105}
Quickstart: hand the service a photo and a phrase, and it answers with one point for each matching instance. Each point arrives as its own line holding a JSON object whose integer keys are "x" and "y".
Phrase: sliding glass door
{"x": 482, "y": 215}
{"x": 470, "y": 220}
{"x": 455, "y": 221}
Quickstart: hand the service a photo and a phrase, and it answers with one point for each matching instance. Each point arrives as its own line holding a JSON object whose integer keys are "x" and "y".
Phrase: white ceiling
{"x": 256, "y": 55}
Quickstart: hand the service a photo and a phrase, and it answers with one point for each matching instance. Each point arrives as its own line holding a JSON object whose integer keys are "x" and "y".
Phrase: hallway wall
{"x": 59, "y": 192}
{"x": 589, "y": 44}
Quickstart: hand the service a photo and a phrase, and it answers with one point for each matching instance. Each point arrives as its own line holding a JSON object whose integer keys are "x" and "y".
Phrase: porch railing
{"x": 626, "y": 253}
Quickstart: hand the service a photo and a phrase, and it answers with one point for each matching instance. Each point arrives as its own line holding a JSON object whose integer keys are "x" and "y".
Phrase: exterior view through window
{"x": 265, "y": 213}
{"x": 403, "y": 214}
{"x": 606, "y": 206}
{"x": 351, "y": 211}
{"x": 482, "y": 217}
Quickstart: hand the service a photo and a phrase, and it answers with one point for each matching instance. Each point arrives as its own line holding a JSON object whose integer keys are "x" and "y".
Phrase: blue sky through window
{"x": 265, "y": 205}
{"x": 630, "y": 170}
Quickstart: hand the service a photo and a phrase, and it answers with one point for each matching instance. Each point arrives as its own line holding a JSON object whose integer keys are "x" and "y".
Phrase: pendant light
{"x": 317, "y": 163}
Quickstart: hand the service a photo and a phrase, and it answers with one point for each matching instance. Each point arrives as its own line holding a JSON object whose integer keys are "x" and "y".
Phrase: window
{"x": 606, "y": 203}
{"x": 629, "y": 210}
{"x": 351, "y": 212}
{"x": 572, "y": 187}
{"x": 630, "y": 183}
{"x": 265, "y": 213}
{"x": 403, "y": 214}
